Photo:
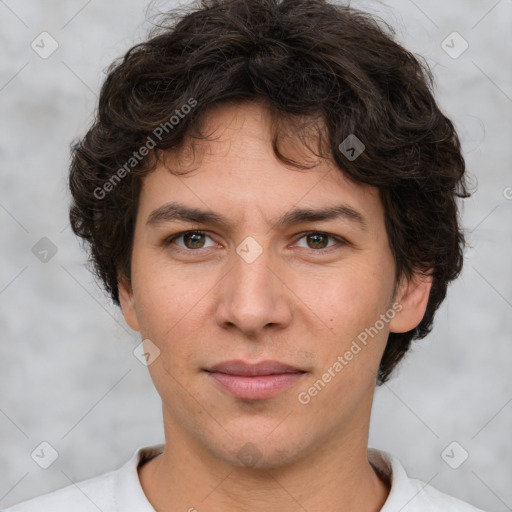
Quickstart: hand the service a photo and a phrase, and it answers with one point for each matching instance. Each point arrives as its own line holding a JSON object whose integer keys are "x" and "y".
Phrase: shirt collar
{"x": 128, "y": 493}
{"x": 402, "y": 492}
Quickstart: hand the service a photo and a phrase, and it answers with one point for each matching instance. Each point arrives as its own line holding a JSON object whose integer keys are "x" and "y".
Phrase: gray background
{"x": 67, "y": 372}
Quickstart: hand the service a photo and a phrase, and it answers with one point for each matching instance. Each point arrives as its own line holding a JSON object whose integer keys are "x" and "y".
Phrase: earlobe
{"x": 412, "y": 295}
{"x": 127, "y": 302}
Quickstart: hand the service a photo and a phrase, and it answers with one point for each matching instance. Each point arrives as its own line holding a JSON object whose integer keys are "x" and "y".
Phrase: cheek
{"x": 166, "y": 299}
{"x": 172, "y": 311}
{"x": 346, "y": 299}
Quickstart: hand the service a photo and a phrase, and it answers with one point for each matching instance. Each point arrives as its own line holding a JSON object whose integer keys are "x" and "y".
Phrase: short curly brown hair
{"x": 321, "y": 69}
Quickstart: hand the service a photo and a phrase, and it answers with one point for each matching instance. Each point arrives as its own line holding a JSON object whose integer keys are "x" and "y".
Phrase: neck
{"x": 336, "y": 476}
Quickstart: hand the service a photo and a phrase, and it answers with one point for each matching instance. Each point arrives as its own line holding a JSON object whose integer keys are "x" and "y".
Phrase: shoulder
{"x": 431, "y": 499}
{"x": 116, "y": 490}
{"x": 87, "y": 495}
{"x": 411, "y": 494}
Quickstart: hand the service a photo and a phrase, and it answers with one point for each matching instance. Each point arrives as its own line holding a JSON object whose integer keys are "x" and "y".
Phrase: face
{"x": 268, "y": 292}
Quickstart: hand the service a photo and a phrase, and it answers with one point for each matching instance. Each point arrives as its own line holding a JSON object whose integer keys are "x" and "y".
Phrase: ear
{"x": 127, "y": 301}
{"x": 412, "y": 295}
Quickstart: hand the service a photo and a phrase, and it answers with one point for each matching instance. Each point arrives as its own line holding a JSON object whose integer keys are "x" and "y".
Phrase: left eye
{"x": 318, "y": 241}
{"x": 191, "y": 239}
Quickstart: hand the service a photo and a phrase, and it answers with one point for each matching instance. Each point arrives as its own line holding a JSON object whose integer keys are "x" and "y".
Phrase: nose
{"x": 253, "y": 296}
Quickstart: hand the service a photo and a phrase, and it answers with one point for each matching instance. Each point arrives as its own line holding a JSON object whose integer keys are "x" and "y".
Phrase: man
{"x": 269, "y": 193}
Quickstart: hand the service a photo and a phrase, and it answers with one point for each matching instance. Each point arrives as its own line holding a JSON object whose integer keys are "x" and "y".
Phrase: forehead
{"x": 235, "y": 172}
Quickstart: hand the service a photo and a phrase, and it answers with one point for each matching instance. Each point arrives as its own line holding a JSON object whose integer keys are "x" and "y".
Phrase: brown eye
{"x": 318, "y": 241}
{"x": 191, "y": 240}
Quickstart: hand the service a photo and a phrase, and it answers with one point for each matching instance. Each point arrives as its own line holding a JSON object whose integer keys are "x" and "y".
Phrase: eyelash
{"x": 338, "y": 239}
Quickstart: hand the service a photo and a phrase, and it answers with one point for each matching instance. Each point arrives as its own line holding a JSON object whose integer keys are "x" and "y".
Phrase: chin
{"x": 258, "y": 452}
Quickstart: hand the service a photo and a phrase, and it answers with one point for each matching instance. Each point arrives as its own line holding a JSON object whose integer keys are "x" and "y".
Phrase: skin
{"x": 201, "y": 303}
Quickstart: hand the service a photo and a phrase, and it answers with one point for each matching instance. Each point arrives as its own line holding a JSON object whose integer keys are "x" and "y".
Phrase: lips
{"x": 251, "y": 370}
{"x": 253, "y": 381}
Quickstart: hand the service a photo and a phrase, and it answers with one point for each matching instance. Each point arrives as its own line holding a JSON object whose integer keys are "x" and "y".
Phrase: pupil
{"x": 195, "y": 243}
{"x": 316, "y": 242}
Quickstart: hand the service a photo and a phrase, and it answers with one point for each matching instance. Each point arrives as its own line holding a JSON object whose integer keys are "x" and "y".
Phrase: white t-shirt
{"x": 120, "y": 490}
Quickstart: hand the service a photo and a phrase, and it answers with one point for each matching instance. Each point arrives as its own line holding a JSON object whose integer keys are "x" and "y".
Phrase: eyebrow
{"x": 170, "y": 212}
